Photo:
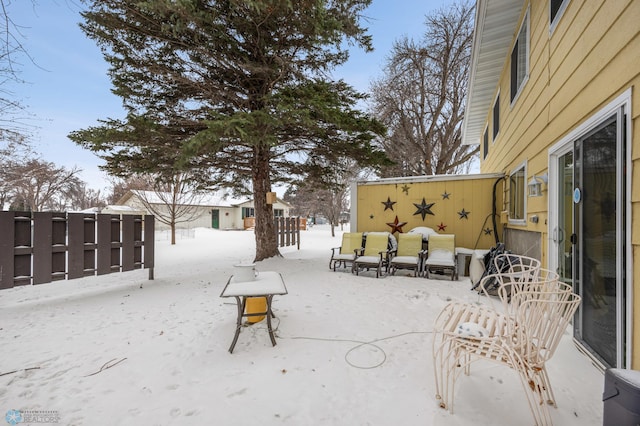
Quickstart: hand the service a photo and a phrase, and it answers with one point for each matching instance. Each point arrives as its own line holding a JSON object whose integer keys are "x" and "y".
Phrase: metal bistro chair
{"x": 509, "y": 267}
{"x": 523, "y": 341}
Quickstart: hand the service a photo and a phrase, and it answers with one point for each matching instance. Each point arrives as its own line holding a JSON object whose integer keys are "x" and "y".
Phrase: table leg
{"x": 269, "y": 314}
{"x": 241, "y": 304}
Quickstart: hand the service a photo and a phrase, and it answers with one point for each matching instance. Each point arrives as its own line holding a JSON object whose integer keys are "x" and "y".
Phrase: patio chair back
{"x": 520, "y": 267}
{"x": 409, "y": 244}
{"x": 445, "y": 242}
{"x": 543, "y": 317}
{"x": 510, "y": 269}
{"x": 441, "y": 254}
{"x": 375, "y": 243}
{"x": 408, "y": 254}
{"x": 351, "y": 241}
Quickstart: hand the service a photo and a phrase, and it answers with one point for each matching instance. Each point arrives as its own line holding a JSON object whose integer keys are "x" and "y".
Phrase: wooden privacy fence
{"x": 250, "y": 222}
{"x": 287, "y": 231}
{"x": 40, "y": 247}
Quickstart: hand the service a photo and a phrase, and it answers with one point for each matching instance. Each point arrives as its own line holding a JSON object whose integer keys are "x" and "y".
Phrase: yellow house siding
{"x": 572, "y": 73}
{"x": 590, "y": 58}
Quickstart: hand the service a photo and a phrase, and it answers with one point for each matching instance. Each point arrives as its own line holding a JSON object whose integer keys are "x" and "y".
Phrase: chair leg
{"x": 533, "y": 385}
{"x": 548, "y": 391}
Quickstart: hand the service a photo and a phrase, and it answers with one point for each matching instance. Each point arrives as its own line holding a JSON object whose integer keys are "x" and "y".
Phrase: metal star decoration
{"x": 488, "y": 231}
{"x": 388, "y": 204}
{"x": 396, "y": 226}
{"x": 405, "y": 189}
{"x": 442, "y": 227}
{"x": 464, "y": 214}
{"x": 424, "y": 208}
{"x": 445, "y": 195}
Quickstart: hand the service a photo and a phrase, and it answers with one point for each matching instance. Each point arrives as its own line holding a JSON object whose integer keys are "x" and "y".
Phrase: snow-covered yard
{"x": 122, "y": 350}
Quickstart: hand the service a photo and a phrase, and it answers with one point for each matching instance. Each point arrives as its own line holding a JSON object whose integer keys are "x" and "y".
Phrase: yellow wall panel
{"x": 459, "y": 206}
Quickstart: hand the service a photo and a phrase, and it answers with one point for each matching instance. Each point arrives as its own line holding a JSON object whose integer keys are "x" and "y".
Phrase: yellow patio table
{"x": 266, "y": 284}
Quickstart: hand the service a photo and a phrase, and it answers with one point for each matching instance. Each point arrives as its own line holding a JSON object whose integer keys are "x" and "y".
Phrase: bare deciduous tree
{"x": 37, "y": 183}
{"x": 327, "y": 195}
{"x": 80, "y": 197}
{"x": 173, "y": 200}
{"x": 13, "y": 130}
{"x": 119, "y": 187}
{"x": 422, "y": 94}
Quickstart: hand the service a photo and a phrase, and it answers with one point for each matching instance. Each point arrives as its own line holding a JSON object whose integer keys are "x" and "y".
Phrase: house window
{"x": 520, "y": 59}
{"x": 496, "y": 117}
{"x": 517, "y": 193}
{"x": 485, "y": 143}
{"x": 248, "y": 212}
{"x": 278, "y": 212}
{"x": 556, "y": 7}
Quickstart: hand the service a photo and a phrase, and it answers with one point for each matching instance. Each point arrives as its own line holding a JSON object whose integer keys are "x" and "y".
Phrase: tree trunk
{"x": 333, "y": 229}
{"x": 266, "y": 242}
{"x": 173, "y": 233}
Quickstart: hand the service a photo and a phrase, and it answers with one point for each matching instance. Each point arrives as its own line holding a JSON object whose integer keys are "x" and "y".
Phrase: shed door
{"x": 215, "y": 219}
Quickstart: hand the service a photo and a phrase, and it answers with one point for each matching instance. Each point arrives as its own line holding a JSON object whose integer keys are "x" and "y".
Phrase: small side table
{"x": 267, "y": 284}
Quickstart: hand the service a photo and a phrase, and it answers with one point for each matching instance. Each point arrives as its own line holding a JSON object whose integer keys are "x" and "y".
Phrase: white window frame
{"x": 485, "y": 143}
{"x": 494, "y": 134}
{"x": 522, "y": 167}
{"x": 553, "y": 23}
{"x": 527, "y": 39}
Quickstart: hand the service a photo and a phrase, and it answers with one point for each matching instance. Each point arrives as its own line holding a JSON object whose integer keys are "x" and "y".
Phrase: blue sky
{"x": 68, "y": 89}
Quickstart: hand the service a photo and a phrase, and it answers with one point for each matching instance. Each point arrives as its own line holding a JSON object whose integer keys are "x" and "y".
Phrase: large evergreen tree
{"x": 246, "y": 81}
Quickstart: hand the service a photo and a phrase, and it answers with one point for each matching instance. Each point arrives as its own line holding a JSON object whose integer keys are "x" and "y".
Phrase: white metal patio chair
{"x": 510, "y": 268}
{"x": 467, "y": 332}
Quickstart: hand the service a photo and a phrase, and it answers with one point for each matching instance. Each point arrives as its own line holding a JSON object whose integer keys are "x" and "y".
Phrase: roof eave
{"x": 494, "y": 31}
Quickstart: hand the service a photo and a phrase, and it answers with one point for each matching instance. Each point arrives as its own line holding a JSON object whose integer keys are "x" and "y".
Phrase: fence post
{"x": 149, "y": 243}
{"x": 7, "y": 231}
{"x": 127, "y": 242}
{"x": 287, "y": 225}
{"x": 42, "y": 245}
{"x": 23, "y": 249}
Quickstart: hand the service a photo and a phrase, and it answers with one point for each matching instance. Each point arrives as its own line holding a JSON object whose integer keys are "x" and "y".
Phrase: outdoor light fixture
{"x": 535, "y": 185}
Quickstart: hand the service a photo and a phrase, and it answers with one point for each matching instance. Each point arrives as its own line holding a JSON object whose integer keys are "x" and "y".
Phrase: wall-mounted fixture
{"x": 535, "y": 185}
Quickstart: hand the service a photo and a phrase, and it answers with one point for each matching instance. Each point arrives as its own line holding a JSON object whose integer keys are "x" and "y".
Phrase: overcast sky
{"x": 68, "y": 89}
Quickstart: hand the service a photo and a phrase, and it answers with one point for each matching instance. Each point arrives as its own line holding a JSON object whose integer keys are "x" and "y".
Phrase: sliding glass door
{"x": 588, "y": 234}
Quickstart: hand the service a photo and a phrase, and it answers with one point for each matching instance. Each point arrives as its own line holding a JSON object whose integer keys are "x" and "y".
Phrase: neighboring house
{"x": 553, "y": 103}
{"x": 215, "y": 210}
{"x": 113, "y": 209}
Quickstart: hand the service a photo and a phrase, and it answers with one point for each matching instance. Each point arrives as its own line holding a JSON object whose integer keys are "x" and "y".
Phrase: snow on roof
{"x": 120, "y": 208}
{"x": 218, "y": 198}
